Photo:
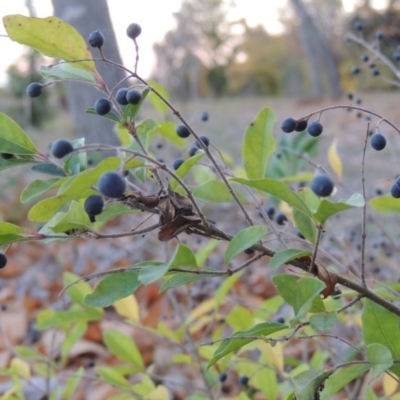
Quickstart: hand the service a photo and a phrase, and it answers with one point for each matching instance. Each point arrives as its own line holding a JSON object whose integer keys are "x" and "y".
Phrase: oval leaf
{"x": 243, "y": 240}
{"x": 50, "y": 36}
{"x": 334, "y": 160}
{"x": 259, "y": 144}
{"x": 284, "y": 256}
{"x": 380, "y": 359}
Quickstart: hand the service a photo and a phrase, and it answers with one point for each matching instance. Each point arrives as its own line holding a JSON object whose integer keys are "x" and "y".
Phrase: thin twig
{"x": 364, "y": 211}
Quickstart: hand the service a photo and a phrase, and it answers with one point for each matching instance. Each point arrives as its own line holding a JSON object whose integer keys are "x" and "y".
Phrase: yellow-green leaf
{"x": 334, "y": 160}
{"x": 52, "y": 37}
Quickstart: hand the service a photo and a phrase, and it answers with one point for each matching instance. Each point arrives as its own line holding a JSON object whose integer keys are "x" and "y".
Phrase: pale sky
{"x": 154, "y": 24}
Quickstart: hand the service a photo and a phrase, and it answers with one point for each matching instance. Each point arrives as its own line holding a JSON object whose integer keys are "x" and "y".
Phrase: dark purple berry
{"x": 6, "y": 156}
{"x": 270, "y": 211}
{"x": 133, "y": 97}
{"x": 395, "y": 191}
{"x": 249, "y": 251}
{"x": 182, "y": 131}
{"x": 3, "y": 260}
{"x": 322, "y": 185}
{"x": 288, "y": 125}
{"x": 61, "y": 148}
{"x": 120, "y": 96}
{"x": 193, "y": 151}
{"x": 96, "y": 39}
{"x": 364, "y": 57}
{"x": 315, "y": 128}
{"x": 177, "y": 163}
{"x": 204, "y": 116}
{"x": 350, "y": 96}
{"x": 34, "y": 89}
{"x": 244, "y": 380}
{"x": 205, "y": 140}
{"x": 358, "y": 25}
{"x": 111, "y": 184}
{"x": 379, "y": 35}
{"x": 375, "y": 72}
{"x": 355, "y": 70}
{"x": 280, "y": 320}
{"x": 102, "y": 106}
{"x": 133, "y": 30}
{"x": 301, "y": 125}
{"x": 378, "y": 141}
{"x": 223, "y": 376}
{"x": 94, "y": 205}
{"x": 280, "y": 218}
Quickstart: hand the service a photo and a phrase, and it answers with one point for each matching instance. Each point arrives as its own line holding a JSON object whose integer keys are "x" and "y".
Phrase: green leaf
{"x": 243, "y": 240}
{"x": 298, "y": 292}
{"x": 75, "y": 218}
{"x": 238, "y": 339}
{"x": 112, "y": 376}
{"x": 72, "y": 383}
{"x": 77, "y": 291}
{"x": 52, "y": 37}
{"x": 214, "y": 191}
{"x": 305, "y": 225}
{"x": 112, "y": 288}
{"x": 28, "y": 353}
{"x": 385, "y": 204}
{"x": 37, "y": 187}
{"x": 183, "y": 278}
{"x": 13, "y": 162}
{"x": 184, "y": 169}
{"x": 10, "y": 233}
{"x": 152, "y": 273}
{"x": 167, "y": 129}
{"x": 278, "y": 189}
{"x": 259, "y": 144}
{"x": 13, "y": 139}
{"x": 340, "y": 378}
{"x": 381, "y": 326}
{"x": 71, "y": 339}
{"x": 183, "y": 257}
{"x": 323, "y": 322}
{"x": 328, "y": 208}
{"x": 240, "y": 318}
{"x": 157, "y": 103}
{"x": 224, "y": 288}
{"x": 50, "y": 169}
{"x": 123, "y": 347}
{"x": 65, "y": 71}
{"x": 73, "y": 188}
{"x": 284, "y": 256}
{"x": 306, "y": 383}
{"x": 110, "y": 115}
{"x": 380, "y": 359}
{"x": 113, "y": 211}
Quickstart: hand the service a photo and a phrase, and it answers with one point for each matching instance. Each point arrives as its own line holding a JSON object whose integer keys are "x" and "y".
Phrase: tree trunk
{"x": 87, "y": 16}
{"x": 318, "y": 54}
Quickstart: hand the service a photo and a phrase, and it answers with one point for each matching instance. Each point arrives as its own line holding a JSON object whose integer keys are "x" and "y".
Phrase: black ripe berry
{"x": 249, "y": 251}
{"x": 34, "y": 89}
{"x": 358, "y": 26}
{"x": 378, "y": 141}
{"x": 90, "y": 363}
{"x": 270, "y": 211}
{"x": 111, "y": 184}
{"x": 288, "y": 125}
{"x": 395, "y": 190}
{"x": 94, "y": 205}
{"x": 364, "y": 57}
{"x": 355, "y": 70}
{"x": 223, "y": 376}
{"x": 96, "y": 39}
{"x": 6, "y": 156}
{"x": 379, "y": 35}
{"x": 315, "y": 128}
{"x": 375, "y": 72}
{"x": 280, "y": 218}
{"x": 322, "y": 185}
{"x": 61, "y": 148}
{"x": 120, "y": 96}
{"x": 182, "y": 131}
{"x": 102, "y": 106}
{"x": 300, "y": 235}
{"x": 204, "y": 116}
{"x": 133, "y": 97}
{"x": 204, "y": 139}
{"x": 350, "y": 96}
{"x": 193, "y": 151}
{"x": 133, "y": 30}
{"x": 396, "y": 56}
{"x": 177, "y": 163}
{"x": 378, "y": 192}
{"x": 3, "y": 260}
{"x": 280, "y": 320}
{"x": 244, "y": 380}
{"x": 301, "y": 125}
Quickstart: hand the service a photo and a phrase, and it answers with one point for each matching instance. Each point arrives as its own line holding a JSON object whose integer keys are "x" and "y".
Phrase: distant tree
{"x": 87, "y": 16}
{"x": 204, "y": 40}
{"x": 318, "y": 49}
